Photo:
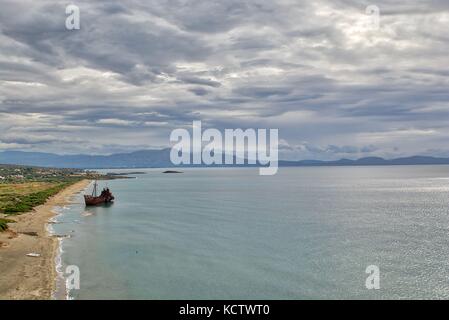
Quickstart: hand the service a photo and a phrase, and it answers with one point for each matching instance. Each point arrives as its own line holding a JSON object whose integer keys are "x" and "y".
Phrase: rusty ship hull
{"x": 94, "y": 201}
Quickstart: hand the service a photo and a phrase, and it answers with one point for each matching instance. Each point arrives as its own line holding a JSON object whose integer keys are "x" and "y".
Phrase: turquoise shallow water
{"x": 305, "y": 233}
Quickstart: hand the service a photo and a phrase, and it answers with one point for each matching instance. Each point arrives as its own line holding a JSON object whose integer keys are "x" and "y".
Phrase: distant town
{"x": 21, "y": 174}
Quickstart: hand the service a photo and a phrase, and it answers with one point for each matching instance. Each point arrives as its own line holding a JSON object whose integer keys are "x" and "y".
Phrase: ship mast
{"x": 94, "y": 192}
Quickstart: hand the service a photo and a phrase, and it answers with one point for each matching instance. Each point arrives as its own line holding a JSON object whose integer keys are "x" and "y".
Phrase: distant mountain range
{"x": 137, "y": 159}
{"x": 161, "y": 159}
{"x": 369, "y": 161}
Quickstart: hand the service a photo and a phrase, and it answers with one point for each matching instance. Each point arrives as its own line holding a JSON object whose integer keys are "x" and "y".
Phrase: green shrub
{"x": 4, "y": 224}
{"x": 27, "y": 202}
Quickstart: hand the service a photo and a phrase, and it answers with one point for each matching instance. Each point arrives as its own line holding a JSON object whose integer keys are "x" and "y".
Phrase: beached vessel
{"x": 93, "y": 199}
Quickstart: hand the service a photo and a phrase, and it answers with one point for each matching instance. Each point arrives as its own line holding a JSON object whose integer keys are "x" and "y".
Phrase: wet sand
{"x": 24, "y": 277}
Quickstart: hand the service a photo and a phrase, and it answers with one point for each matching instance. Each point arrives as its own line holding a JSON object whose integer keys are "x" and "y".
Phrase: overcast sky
{"x": 319, "y": 71}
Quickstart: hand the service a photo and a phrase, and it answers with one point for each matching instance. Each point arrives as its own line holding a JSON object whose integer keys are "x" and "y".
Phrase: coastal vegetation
{"x": 4, "y": 224}
{"x": 22, "y": 197}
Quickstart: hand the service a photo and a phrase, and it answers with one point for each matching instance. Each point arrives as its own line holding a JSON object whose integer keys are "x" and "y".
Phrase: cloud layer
{"x": 334, "y": 84}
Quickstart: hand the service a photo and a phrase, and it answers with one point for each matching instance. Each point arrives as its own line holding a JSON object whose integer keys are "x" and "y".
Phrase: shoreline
{"x": 33, "y": 278}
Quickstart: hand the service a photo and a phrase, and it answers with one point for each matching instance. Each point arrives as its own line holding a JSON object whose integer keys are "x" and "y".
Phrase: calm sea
{"x": 305, "y": 233}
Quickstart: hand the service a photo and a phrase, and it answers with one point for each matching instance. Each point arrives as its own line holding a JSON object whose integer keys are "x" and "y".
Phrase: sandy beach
{"x": 24, "y": 277}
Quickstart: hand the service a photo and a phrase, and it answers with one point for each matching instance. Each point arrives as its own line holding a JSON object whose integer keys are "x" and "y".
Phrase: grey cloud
{"x": 199, "y": 91}
{"x": 137, "y": 70}
{"x": 195, "y": 80}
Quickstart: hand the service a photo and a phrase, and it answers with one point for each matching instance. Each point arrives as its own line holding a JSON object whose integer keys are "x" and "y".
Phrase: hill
{"x": 161, "y": 159}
